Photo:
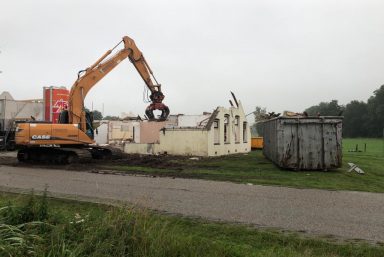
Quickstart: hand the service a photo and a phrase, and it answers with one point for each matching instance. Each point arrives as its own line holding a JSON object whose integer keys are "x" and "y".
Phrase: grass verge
{"x": 69, "y": 228}
{"x": 255, "y": 168}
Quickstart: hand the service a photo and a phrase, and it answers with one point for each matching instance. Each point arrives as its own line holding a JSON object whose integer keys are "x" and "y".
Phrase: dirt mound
{"x": 151, "y": 161}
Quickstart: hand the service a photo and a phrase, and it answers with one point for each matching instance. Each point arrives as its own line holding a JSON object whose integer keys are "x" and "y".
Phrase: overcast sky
{"x": 278, "y": 54}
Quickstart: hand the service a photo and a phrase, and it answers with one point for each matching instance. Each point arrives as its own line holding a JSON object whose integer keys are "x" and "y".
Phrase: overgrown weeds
{"x": 20, "y": 226}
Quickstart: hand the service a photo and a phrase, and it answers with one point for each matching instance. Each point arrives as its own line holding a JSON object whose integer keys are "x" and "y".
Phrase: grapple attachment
{"x": 157, "y": 106}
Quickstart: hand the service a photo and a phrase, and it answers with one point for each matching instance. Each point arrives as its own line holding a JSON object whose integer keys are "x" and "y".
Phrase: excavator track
{"x": 67, "y": 155}
{"x": 56, "y": 155}
{"x": 106, "y": 152}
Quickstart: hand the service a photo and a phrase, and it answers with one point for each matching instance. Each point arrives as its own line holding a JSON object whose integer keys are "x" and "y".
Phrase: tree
{"x": 376, "y": 113}
{"x": 355, "y": 119}
{"x": 331, "y": 108}
{"x": 360, "y": 119}
{"x": 260, "y": 113}
{"x": 97, "y": 115}
{"x": 111, "y": 117}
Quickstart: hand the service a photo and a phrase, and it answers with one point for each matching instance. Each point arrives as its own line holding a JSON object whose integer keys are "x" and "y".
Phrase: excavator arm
{"x": 89, "y": 77}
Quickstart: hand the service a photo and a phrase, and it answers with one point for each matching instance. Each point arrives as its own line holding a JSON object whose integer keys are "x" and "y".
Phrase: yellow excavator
{"x": 71, "y": 139}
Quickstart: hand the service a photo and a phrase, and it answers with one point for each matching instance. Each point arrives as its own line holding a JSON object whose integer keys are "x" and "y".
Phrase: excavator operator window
{"x": 63, "y": 117}
{"x": 89, "y": 127}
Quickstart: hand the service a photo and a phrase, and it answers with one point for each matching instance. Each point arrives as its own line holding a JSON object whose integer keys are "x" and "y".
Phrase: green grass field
{"x": 43, "y": 227}
{"x": 255, "y": 168}
{"x": 373, "y": 146}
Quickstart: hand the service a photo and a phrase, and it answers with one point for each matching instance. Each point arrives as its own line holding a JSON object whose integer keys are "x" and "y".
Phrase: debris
{"x": 78, "y": 219}
{"x": 249, "y": 184}
{"x": 355, "y": 168}
{"x": 194, "y": 158}
{"x": 273, "y": 115}
{"x": 295, "y": 114}
{"x": 234, "y": 98}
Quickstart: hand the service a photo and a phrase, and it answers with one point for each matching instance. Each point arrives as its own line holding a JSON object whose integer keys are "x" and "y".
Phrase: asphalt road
{"x": 340, "y": 213}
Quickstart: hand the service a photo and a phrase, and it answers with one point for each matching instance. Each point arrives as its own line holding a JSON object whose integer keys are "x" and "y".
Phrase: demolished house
{"x": 224, "y": 131}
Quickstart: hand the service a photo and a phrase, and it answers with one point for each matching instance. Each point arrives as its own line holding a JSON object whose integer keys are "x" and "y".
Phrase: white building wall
{"x": 120, "y": 131}
{"x": 11, "y": 109}
{"x": 190, "y": 142}
{"x": 101, "y": 137}
{"x": 136, "y": 132}
{"x": 184, "y": 142}
{"x": 191, "y": 120}
{"x": 243, "y": 145}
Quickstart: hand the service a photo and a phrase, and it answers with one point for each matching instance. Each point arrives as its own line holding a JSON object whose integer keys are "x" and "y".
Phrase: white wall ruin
{"x": 225, "y": 131}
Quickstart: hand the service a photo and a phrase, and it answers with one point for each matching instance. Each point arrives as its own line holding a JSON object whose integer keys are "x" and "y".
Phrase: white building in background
{"x": 114, "y": 132}
{"x": 101, "y": 133}
{"x": 13, "y": 110}
{"x": 225, "y": 131}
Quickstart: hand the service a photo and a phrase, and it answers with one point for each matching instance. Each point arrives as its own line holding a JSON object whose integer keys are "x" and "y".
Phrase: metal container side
{"x": 310, "y": 143}
{"x": 257, "y": 142}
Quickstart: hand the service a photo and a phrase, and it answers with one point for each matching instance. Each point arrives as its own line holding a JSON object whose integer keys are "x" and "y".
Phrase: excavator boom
{"x": 72, "y": 138}
{"x": 89, "y": 77}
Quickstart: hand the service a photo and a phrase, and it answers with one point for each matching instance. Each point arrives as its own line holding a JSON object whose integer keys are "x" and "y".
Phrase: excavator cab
{"x": 89, "y": 124}
{"x": 64, "y": 119}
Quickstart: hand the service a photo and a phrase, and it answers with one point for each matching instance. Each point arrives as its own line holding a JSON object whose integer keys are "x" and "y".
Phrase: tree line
{"x": 361, "y": 119}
